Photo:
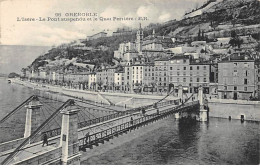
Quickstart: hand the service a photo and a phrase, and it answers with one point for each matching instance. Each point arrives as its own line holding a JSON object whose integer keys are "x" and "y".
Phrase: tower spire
{"x": 139, "y": 39}
{"x": 153, "y": 33}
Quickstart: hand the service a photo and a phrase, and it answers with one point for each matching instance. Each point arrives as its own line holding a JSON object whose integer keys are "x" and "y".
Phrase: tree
{"x": 199, "y": 35}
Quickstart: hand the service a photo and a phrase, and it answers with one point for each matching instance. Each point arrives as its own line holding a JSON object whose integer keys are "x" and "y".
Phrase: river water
{"x": 218, "y": 142}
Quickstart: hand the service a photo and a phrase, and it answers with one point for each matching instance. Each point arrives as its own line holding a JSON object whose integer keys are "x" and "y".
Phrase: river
{"x": 219, "y": 141}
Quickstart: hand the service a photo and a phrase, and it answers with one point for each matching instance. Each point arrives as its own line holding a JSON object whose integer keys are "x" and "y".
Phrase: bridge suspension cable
{"x": 16, "y": 109}
{"x": 34, "y": 134}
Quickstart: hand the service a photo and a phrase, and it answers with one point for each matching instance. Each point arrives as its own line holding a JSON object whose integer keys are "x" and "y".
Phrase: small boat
{"x": 9, "y": 81}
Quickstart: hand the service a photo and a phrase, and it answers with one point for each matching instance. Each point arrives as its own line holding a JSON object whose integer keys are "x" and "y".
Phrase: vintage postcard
{"x": 129, "y": 82}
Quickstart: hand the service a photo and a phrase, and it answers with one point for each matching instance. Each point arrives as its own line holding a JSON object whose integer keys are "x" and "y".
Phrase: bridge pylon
{"x": 33, "y": 118}
{"x": 203, "y": 113}
{"x": 180, "y": 92}
{"x": 69, "y": 135}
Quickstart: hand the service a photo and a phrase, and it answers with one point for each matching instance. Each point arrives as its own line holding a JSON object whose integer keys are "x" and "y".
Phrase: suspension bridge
{"x": 74, "y": 125}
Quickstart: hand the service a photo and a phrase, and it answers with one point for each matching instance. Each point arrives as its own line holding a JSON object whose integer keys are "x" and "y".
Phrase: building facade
{"x": 236, "y": 79}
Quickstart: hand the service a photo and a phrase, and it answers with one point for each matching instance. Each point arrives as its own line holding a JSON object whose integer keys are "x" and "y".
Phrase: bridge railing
{"x": 57, "y": 131}
{"x": 110, "y": 132}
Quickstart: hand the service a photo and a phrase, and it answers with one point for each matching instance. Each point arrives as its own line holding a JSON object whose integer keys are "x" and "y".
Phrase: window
{"x": 184, "y": 61}
{"x": 198, "y": 67}
{"x": 235, "y": 72}
{"x": 198, "y": 79}
{"x": 184, "y": 73}
{"x": 204, "y": 67}
{"x": 191, "y": 68}
{"x": 178, "y": 79}
{"x": 245, "y": 81}
{"x": 225, "y": 87}
{"x": 184, "y": 68}
{"x": 190, "y": 79}
{"x": 245, "y": 88}
{"x": 164, "y": 79}
{"x": 184, "y": 79}
{"x": 245, "y": 73}
{"x": 235, "y": 88}
{"x": 178, "y": 73}
{"x": 235, "y": 64}
{"x": 204, "y": 79}
{"x": 246, "y": 65}
{"x": 170, "y": 68}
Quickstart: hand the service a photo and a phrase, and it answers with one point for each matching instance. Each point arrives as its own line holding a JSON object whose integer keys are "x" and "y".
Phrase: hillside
{"x": 242, "y": 16}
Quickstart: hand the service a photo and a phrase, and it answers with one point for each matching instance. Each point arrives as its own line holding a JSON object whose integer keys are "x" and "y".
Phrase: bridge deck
{"x": 99, "y": 132}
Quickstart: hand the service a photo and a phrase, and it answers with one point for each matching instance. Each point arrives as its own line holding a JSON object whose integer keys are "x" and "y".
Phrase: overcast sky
{"x": 54, "y": 33}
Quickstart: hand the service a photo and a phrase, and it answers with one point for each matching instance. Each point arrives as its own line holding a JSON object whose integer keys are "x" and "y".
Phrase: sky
{"x": 17, "y": 37}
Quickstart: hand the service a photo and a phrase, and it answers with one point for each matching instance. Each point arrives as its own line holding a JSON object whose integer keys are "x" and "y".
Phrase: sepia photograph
{"x": 130, "y": 82}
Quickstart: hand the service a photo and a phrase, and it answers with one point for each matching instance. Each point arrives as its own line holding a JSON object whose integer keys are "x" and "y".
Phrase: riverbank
{"x": 119, "y": 99}
{"x": 234, "y": 109}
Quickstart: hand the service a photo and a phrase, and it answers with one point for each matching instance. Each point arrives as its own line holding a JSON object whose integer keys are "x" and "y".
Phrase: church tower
{"x": 139, "y": 39}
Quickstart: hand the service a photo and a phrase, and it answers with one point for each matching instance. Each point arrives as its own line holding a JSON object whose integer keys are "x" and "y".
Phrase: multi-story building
{"x": 257, "y": 74}
{"x": 236, "y": 78}
{"x": 143, "y": 76}
{"x": 119, "y": 80}
{"x": 105, "y": 78}
{"x": 179, "y": 70}
{"x": 128, "y": 78}
{"x": 149, "y": 77}
{"x": 199, "y": 75}
{"x": 161, "y": 75}
{"x": 92, "y": 81}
